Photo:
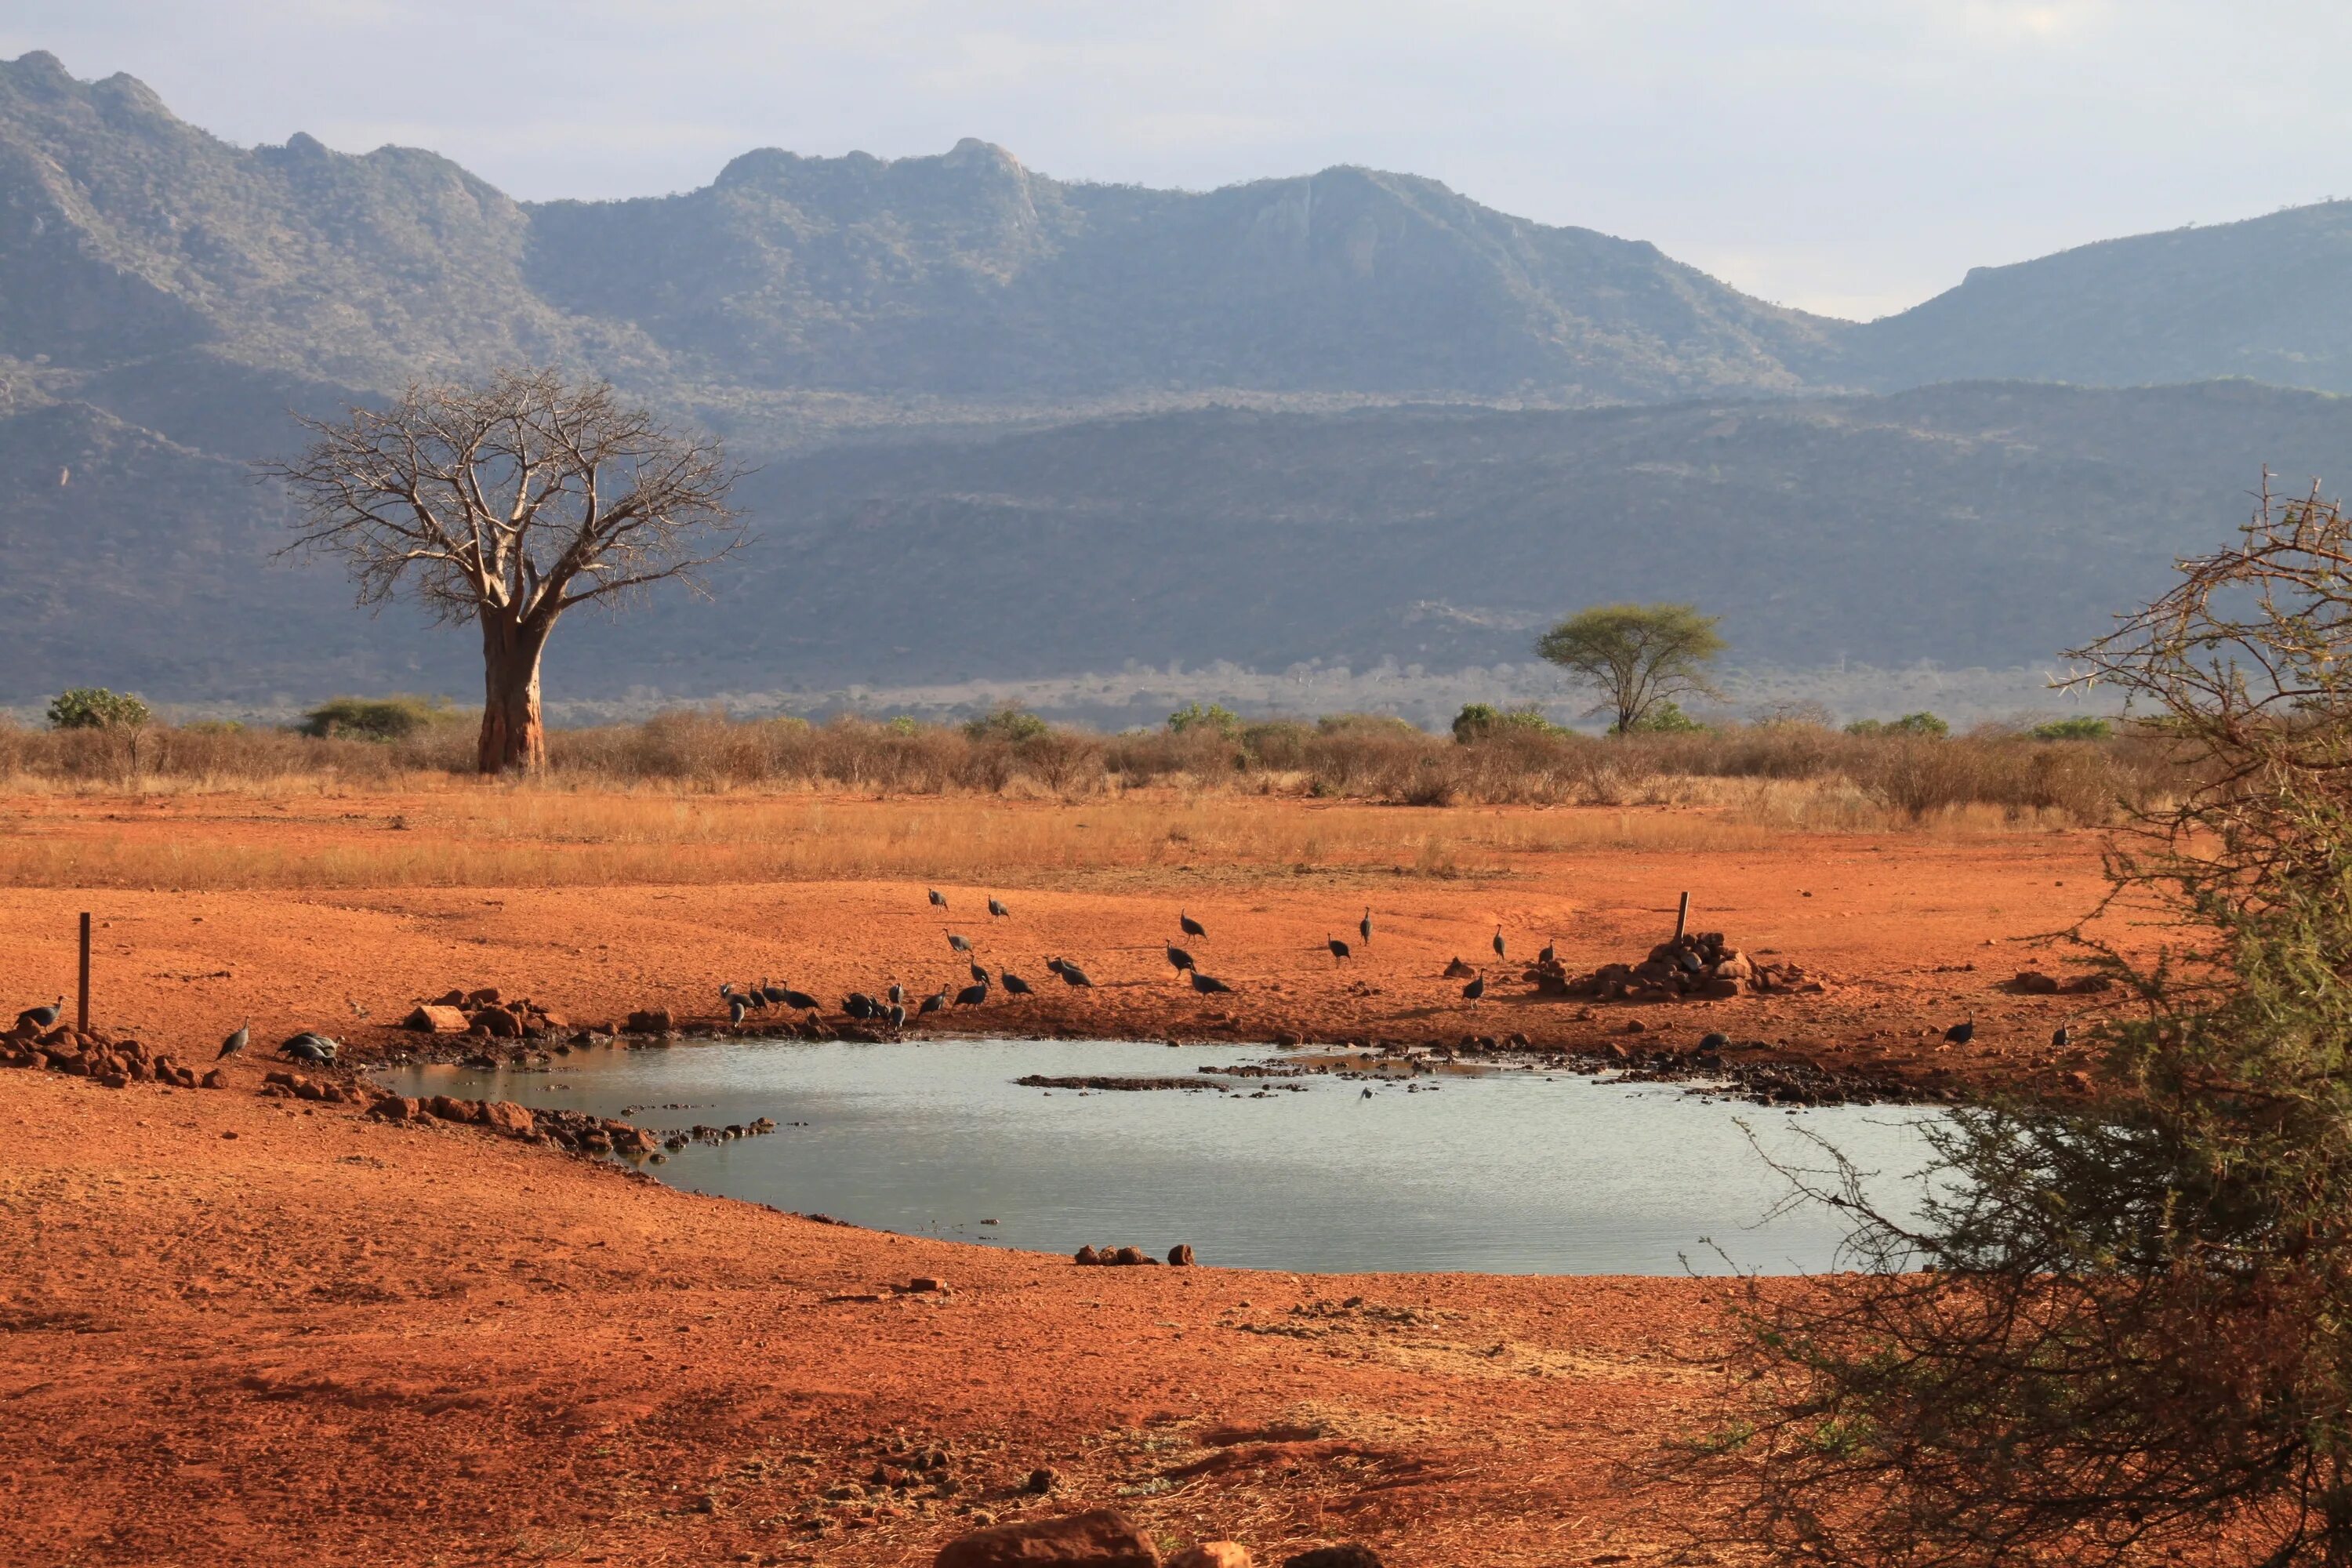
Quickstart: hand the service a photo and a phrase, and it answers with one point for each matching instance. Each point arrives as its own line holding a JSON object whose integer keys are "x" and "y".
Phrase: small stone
{"x": 1087, "y": 1258}
{"x": 1181, "y": 1255}
{"x": 1213, "y": 1554}
{"x": 1354, "y": 1555}
{"x": 1041, "y": 1480}
{"x": 922, "y": 1283}
{"x": 1097, "y": 1539}
{"x": 213, "y": 1079}
{"x": 436, "y": 1019}
{"x": 650, "y": 1021}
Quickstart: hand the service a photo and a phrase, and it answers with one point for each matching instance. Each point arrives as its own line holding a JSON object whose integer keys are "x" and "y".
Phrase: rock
{"x": 2034, "y": 983}
{"x": 114, "y": 1079}
{"x": 397, "y": 1108}
{"x": 433, "y": 1018}
{"x": 1041, "y": 1480}
{"x": 1213, "y": 1554}
{"x": 1129, "y": 1256}
{"x": 508, "y": 1119}
{"x": 1288, "y": 1040}
{"x": 1087, "y": 1258}
{"x": 449, "y": 1109}
{"x": 1181, "y": 1255}
{"x": 498, "y": 1023}
{"x": 922, "y": 1283}
{"x": 212, "y": 1079}
{"x": 650, "y": 1021}
{"x": 485, "y": 996}
{"x": 1097, "y": 1539}
{"x": 1354, "y": 1555}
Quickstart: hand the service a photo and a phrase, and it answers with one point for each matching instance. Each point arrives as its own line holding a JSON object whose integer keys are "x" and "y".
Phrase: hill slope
{"x": 1991, "y": 524}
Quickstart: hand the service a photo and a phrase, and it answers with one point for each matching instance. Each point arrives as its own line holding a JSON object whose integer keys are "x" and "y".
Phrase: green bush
{"x": 2082, "y": 729}
{"x": 1479, "y": 720}
{"x": 1215, "y": 717}
{"x": 375, "y": 718}
{"x": 1666, "y": 718}
{"x": 1007, "y": 724}
{"x": 902, "y": 724}
{"x": 1926, "y": 724}
{"x": 96, "y": 708}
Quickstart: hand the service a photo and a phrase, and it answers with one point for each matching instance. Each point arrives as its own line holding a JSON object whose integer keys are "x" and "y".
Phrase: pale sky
{"x": 1849, "y": 156}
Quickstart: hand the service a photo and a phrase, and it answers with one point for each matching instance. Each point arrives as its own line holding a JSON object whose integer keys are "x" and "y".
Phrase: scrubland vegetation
{"x": 1795, "y": 774}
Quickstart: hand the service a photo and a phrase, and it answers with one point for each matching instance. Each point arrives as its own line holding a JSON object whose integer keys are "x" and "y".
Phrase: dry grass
{"x": 490, "y": 836}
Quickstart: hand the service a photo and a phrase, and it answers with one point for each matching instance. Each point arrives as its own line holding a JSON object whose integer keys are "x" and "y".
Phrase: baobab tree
{"x": 505, "y": 504}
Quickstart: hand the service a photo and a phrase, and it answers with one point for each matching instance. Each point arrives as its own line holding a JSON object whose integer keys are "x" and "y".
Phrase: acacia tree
{"x": 505, "y": 504}
{"x": 1641, "y": 657}
{"x": 2121, "y": 1333}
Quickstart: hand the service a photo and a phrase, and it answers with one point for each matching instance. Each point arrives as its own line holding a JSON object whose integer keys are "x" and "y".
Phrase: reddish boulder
{"x": 498, "y": 1023}
{"x": 650, "y": 1021}
{"x": 435, "y": 1019}
{"x": 1097, "y": 1539}
{"x": 213, "y": 1079}
{"x": 508, "y": 1119}
{"x": 396, "y": 1107}
{"x": 1087, "y": 1258}
{"x": 1181, "y": 1255}
{"x": 448, "y": 1110}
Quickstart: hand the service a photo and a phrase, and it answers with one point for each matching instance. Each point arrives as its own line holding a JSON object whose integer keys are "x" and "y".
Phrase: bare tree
{"x": 505, "y": 504}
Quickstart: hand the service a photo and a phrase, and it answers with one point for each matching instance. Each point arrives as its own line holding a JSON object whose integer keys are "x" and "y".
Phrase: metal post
{"x": 81, "y": 1012}
{"x": 1681, "y": 917}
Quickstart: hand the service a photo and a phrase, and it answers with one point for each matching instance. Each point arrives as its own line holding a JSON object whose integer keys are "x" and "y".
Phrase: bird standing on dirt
{"x": 961, "y": 944}
{"x": 978, "y": 973}
{"x": 1014, "y": 985}
{"x": 974, "y": 995}
{"x": 234, "y": 1044}
{"x": 1475, "y": 989}
{"x": 898, "y": 994}
{"x": 1190, "y": 926}
{"x": 1181, "y": 960}
{"x": 896, "y": 1015}
{"x": 932, "y": 1004}
{"x": 308, "y": 1047}
{"x": 1208, "y": 986}
{"x": 43, "y": 1017}
{"x": 1339, "y": 949}
{"x": 1071, "y": 974}
{"x": 997, "y": 912}
{"x": 1364, "y": 926}
{"x": 2061, "y": 1037}
{"x": 735, "y": 1009}
{"x": 1498, "y": 943}
{"x": 938, "y": 899}
{"x": 1548, "y": 955}
{"x": 1961, "y": 1033}
{"x": 800, "y": 1001}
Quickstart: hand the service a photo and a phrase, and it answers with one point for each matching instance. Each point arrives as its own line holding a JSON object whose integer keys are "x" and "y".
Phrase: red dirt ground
{"x": 237, "y": 1330}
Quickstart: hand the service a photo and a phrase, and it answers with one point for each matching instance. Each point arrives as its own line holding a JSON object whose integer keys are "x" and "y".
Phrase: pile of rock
{"x": 1701, "y": 964}
{"x": 294, "y": 1086}
{"x": 2034, "y": 983}
{"x": 1180, "y": 1256}
{"x": 482, "y": 1011}
{"x": 116, "y": 1064}
{"x": 1103, "y": 1538}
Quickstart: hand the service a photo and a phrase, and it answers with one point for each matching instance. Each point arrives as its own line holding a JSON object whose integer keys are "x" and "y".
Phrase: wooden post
{"x": 1681, "y": 917}
{"x": 81, "y": 1012}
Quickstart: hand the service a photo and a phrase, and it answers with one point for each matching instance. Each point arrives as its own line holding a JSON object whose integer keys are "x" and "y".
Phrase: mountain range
{"x": 1008, "y": 424}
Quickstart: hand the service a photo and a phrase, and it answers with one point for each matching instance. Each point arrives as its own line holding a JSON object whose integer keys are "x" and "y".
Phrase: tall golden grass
{"x": 474, "y": 835}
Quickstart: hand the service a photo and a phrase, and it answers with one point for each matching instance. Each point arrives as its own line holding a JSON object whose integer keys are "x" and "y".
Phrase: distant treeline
{"x": 1910, "y": 772}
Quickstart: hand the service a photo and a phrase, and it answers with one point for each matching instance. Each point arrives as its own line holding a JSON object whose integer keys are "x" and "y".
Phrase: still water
{"x": 1506, "y": 1171}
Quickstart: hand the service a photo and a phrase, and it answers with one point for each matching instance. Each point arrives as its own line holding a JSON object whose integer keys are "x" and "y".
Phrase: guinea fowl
{"x": 1475, "y": 989}
{"x": 898, "y": 994}
{"x": 308, "y": 1047}
{"x": 1208, "y": 984}
{"x": 859, "y": 1004}
{"x": 735, "y": 1009}
{"x": 776, "y": 995}
{"x": 800, "y": 1001}
{"x": 2061, "y": 1037}
{"x": 896, "y": 1015}
{"x": 1190, "y": 926}
{"x": 1364, "y": 926}
{"x": 1498, "y": 941}
{"x": 1181, "y": 960}
{"x": 1339, "y": 949}
{"x": 972, "y": 995}
{"x": 978, "y": 973}
{"x": 961, "y": 944}
{"x": 1548, "y": 955}
{"x": 234, "y": 1044}
{"x": 42, "y": 1017}
{"x": 1014, "y": 985}
{"x": 997, "y": 912}
{"x": 1071, "y": 974}
{"x": 932, "y": 1004}
{"x": 938, "y": 899}
{"x": 1961, "y": 1033}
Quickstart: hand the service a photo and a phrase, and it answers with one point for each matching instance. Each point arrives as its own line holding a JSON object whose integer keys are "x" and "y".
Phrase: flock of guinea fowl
{"x": 891, "y": 1006}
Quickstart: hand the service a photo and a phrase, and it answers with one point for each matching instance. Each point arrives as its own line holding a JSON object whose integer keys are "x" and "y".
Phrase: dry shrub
{"x": 1907, "y": 778}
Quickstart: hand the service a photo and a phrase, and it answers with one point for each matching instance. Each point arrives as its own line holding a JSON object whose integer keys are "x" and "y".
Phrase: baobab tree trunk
{"x": 513, "y": 735}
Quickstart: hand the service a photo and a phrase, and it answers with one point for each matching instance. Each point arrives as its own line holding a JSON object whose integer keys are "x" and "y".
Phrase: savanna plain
{"x": 248, "y": 1327}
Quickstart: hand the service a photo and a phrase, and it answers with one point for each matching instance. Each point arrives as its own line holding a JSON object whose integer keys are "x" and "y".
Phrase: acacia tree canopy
{"x": 505, "y": 504}
{"x": 1640, "y": 657}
